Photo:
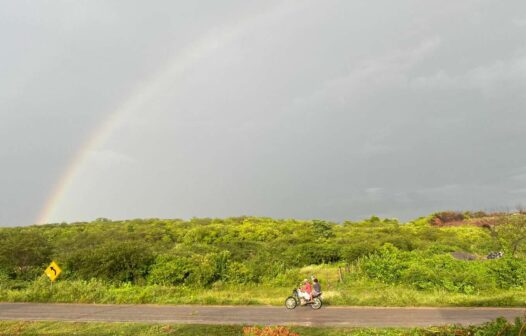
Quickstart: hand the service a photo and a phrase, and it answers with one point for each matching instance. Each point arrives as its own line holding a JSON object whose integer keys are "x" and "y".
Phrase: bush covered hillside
{"x": 438, "y": 260}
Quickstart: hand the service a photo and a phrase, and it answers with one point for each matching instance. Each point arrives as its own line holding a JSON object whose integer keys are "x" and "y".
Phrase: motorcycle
{"x": 294, "y": 300}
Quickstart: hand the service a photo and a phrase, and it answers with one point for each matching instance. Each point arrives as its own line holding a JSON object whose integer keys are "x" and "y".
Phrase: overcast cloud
{"x": 306, "y": 109}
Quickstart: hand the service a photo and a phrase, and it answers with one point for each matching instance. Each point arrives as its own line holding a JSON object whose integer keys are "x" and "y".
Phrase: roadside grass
{"x": 13, "y": 328}
{"x": 363, "y": 292}
{"x": 358, "y": 292}
{"x": 26, "y": 328}
{"x": 42, "y": 328}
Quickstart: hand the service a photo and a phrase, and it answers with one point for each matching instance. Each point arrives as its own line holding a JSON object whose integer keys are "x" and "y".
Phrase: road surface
{"x": 260, "y": 315}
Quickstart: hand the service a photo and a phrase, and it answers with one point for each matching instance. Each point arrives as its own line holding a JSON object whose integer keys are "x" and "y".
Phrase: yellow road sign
{"x": 52, "y": 271}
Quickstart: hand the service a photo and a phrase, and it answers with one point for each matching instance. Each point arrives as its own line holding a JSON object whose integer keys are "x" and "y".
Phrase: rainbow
{"x": 140, "y": 97}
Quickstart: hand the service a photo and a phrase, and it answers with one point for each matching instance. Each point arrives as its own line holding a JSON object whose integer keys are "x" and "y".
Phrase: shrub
{"x": 238, "y": 273}
{"x": 113, "y": 261}
{"x": 508, "y": 272}
{"x": 208, "y": 268}
{"x": 385, "y": 265}
{"x": 169, "y": 270}
{"x": 4, "y": 278}
{"x": 353, "y": 252}
{"x": 312, "y": 253}
{"x": 401, "y": 242}
{"x": 420, "y": 276}
{"x": 422, "y": 271}
{"x": 24, "y": 253}
{"x": 322, "y": 229}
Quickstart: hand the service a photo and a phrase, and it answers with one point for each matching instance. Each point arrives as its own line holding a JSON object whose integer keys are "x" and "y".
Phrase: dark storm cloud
{"x": 288, "y": 109}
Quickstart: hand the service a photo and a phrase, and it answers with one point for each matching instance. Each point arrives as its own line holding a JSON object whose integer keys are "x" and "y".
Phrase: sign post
{"x": 52, "y": 272}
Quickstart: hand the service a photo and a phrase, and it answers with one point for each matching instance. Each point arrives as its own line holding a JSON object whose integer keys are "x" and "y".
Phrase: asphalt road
{"x": 261, "y": 315}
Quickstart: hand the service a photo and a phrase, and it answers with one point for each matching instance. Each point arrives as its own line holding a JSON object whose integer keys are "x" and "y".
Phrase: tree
{"x": 117, "y": 261}
{"x": 24, "y": 252}
{"x": 509, "y": 232}
{"x": 322, "y": 228}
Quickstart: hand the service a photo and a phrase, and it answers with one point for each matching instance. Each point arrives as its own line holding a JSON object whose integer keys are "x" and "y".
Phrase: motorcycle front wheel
{"x": 316, "y": 304}
{"x": 291, "y": 302}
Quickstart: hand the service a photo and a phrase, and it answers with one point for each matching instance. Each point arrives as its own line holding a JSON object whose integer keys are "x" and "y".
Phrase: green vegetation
{"x": 14, "y": 328}
{"x": 371, "y": 262}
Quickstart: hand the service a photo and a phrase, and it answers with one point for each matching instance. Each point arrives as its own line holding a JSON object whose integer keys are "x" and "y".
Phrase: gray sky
{"x": 306, "y": 109}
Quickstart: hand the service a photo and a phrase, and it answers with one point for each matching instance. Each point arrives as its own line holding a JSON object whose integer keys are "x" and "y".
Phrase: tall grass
{"x": 354, "y": 292}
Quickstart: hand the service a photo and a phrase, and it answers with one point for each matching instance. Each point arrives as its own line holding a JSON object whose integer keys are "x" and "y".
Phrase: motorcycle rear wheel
{"x": 316, "y": 304}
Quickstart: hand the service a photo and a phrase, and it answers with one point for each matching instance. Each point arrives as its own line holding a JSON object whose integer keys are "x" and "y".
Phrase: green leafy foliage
{"x": 23, "y": 252}
{"x": 509, "y": 272}
{"x": 425, "y": 270}
{"x": 210, "y": 253}
{"x": 510, "y": 233}
{"x": 169, "y": 270}
{"x": 111, "y": 261}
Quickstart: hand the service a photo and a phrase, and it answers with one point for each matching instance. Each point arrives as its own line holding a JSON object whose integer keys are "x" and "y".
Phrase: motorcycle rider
{"x": 305, "y": 292}
{"x": 316, "y": 288}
